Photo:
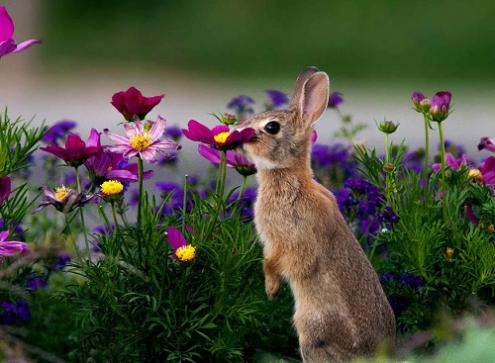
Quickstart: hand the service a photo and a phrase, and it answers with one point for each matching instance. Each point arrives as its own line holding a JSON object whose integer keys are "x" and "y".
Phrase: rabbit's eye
{"x": 272, "y": 127}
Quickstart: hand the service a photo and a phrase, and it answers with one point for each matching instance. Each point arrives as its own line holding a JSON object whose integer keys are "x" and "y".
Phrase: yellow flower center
{"x": 221, "y": 138}
{"x": 474, "y": 174}
{"x": 449, "y": 252}
{"x": 141, "y": 142}
{"x": 186, "y": 253}
{"x": 112, "y": 187}
{"x": 491, "y": 228}
{"x": 61, "y": 193}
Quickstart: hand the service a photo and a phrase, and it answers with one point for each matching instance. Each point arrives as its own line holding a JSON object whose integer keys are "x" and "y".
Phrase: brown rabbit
{"x": 341, "y": 311}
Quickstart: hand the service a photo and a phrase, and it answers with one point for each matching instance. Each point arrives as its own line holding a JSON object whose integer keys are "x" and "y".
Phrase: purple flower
{"x": 487, "y": 143}
{"x": 5, "y": 188}
{"x": 407, "y": 279}
{"x": 144, "y": 140}
{"x": 420, "y": 102}
{"x": 64, "y": 199}
{"x": 220, "y": 137}
{"x": 11, "y": 248}
{"x": 487, "y": 170}
{"x": 277, "y": 98}
{"x": 61, "y": 262}
{"x": 58, "y": 131}
{"x": 234, "y": 160}
{"x": 335, "y": 99}
{"x": 452, "y": 162}
{"x": 12, "y": 313}
{"x": 7, "y": 42}
{"x": 76, "y": 151}
{"x": 440, "y": 105}
{"x": 241, "y": 105}
{"x": 35, "y": 282}
{"x": 133, "y": 105}
{"x": 108, "y": 165}
{"x": 173, "y": 132}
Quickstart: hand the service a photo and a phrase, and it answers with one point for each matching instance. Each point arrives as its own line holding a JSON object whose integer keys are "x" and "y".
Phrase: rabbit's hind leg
{"x": 325, "y": 340}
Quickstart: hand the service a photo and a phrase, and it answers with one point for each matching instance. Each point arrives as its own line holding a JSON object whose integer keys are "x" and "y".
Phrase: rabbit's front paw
{"x": 272, "y": 285}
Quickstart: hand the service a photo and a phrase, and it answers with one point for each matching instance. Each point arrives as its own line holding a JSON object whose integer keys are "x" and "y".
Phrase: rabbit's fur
{"x": 341, "y": 311}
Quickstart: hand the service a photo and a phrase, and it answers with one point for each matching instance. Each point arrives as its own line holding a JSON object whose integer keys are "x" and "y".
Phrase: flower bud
{"x": 387, "y": 127}
{"x": 440, "y": 106}
{"x": 388, "y": 167}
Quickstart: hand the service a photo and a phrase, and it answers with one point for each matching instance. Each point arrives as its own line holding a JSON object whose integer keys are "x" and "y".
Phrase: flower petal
{"x": 6, "y": 24}
{"x": 7, "y": 47}
{"x": 175, "y": 238}
{"x": 94, "y": 139}
{"x": 4, "y": 235}
{"x": 117, "y": 138}
{"x": 198, "y": 132}
{"x": 26, "y": 44}
{"x": 209, "y": 153}
{"x": 157, "y": 129}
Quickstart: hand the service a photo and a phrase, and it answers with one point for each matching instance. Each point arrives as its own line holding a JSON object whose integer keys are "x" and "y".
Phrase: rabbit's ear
{"x": 313, "y": 101}
{"x": 299, "y": 87}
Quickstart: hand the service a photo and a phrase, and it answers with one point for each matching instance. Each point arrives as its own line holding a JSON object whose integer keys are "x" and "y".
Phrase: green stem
{"x": 243, "y": 187}
{"x": 140, "y": 197}
{"x": 184, "y": 203}
{"x": 442, "y": 149}
{"x": 140, "y": 202}
{"x": 104, "y": 215}
{"x": 427, "y": 148}
{"x": 387, "y": 173}
{"x": 115, "y": 220}
{"x": 85, "y": 232}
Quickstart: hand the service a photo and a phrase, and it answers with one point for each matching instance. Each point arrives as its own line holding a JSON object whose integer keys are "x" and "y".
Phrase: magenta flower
{"x": 76, "y": 151}
{"x": 108, "y": 165}
{"x": 5, "y": 188}
{"x": 234, "y": 160}
{"x": 487, "y": 170}
{"x": 440, "y": 105}
{"x": 452, "y": 162}
{"x": 133, "y": 105}
{"x": 64, "y": 199}
{"x": 7, "y": 42}
{"x": 220, "y": 137}
{"x": 487, "y": 143}
{"x": 144, "y": 139}
{"x": 314, "y": 137}
{"x": 182, "y": 251}
{"x": 11, "y": 248}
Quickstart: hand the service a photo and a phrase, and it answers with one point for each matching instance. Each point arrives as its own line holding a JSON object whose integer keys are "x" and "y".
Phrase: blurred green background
{"x": 356, "y": 39}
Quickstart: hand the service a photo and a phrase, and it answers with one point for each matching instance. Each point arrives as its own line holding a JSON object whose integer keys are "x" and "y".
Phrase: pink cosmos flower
{"x": 7, "y": 42}
{"x": 234, "y": 160}
{"x": 64, "y": 199}
{"x": 452, "y": 162}
{"x": 220, "y": 137}
{"x": 108, "y": 165}
{"x": 487, "y": 170}
{"x": 144, "y": 139}
{"x": 182, "y": 251}
{"x": 133, "y": 105}
{"x": 5, "y": 188}
{"x": 76, "y": 151}
{"x": 11, "y": 248}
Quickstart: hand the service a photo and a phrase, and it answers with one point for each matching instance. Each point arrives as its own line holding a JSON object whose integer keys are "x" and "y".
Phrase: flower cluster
{"x": 437, "y": 109}
{"x": 364, "y": 204}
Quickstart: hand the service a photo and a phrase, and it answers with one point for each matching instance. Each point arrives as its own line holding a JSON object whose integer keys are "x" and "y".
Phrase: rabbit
{"x": 341, "y": 311}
